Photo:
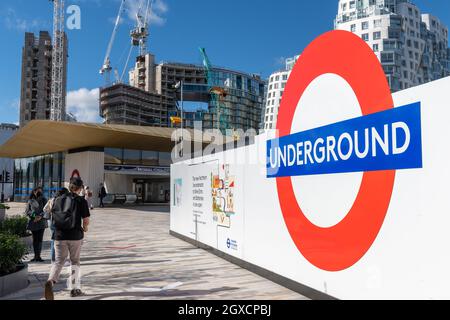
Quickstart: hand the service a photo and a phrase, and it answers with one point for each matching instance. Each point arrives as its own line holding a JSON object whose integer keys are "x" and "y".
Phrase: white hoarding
{"x": 348, "y": 222}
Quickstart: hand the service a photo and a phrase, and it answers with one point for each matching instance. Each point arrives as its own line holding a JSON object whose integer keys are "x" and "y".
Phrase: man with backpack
{"x": 70, "y": 215}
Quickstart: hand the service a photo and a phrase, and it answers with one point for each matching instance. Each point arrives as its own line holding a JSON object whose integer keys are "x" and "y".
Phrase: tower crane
{"x": 217, "y": 93}
{"x": 106, "y": 68}
{"x": 140, "y": 33}
{"x": 57, "y": 99}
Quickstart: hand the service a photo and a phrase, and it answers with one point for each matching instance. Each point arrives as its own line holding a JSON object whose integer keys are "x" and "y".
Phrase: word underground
{"x": 386, "y": 140}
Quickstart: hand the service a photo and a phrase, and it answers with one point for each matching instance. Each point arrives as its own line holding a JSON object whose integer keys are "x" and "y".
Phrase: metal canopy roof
{"x": 41, "y": 137}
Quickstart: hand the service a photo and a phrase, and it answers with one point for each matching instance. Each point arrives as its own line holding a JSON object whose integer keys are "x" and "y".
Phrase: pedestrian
{"x": 71, "y": 220}
{"x": 36, "y": 223}
{"x": 102, "y": 194}
{"x": 48, "y": 215}
{"x": 88, "y": 196}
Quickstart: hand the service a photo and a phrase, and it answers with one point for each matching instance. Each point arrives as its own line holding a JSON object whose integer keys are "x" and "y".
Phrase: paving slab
{"x": 129, "y": 255}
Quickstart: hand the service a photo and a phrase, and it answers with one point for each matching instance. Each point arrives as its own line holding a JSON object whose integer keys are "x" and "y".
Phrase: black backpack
{"x": 64, "y": 212}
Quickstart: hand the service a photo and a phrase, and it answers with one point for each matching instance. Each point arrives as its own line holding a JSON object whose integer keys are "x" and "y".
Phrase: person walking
{"x": 48, "y": 216}
{"x": 102, "y": 194}
{"x": 88, "y": 196}
{"x": 71, "y": 220}
{"x": 36, "y": 223}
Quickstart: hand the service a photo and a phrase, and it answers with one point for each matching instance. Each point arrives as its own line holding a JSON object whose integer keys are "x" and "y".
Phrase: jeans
{"x": 38, "y": 238}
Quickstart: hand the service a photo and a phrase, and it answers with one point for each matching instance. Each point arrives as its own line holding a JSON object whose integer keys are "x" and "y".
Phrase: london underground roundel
{"x": 341, "y": 246}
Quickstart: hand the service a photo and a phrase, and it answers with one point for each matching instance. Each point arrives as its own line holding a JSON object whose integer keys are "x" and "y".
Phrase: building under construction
{"x": 241, "y": 106}
{"x": 36, "y": 81}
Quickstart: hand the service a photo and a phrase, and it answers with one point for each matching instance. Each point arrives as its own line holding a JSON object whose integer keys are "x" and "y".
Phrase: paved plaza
{"x": 129, "y": 254}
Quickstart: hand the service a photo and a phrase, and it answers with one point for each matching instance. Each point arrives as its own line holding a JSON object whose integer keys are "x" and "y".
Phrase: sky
{"x": 253, "y": 36}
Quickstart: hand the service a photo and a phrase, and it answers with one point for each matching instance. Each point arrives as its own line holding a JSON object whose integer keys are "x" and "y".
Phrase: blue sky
{"x": 249, "y": 35}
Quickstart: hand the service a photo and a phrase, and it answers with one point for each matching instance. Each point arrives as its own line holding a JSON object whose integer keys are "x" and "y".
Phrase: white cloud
{"x": 160, "y": 7}
{"x": 83, "y": 103}
{"x": 13, "y": 22}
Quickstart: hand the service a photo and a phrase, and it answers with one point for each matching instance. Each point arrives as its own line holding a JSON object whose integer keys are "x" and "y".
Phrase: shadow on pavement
{"x": 168, "y": 293}
{"x": 143, "y": 208}
{"x": 123, "y": 262}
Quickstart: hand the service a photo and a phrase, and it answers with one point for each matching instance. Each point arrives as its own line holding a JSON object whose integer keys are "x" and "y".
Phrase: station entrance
{"x": 152, "y": 190}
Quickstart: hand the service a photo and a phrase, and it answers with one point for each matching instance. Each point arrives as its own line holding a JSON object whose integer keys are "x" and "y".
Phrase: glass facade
{"x": 48, "y": 171}
{"x": 137, "y": 157}
{"x": 43, "y": 171}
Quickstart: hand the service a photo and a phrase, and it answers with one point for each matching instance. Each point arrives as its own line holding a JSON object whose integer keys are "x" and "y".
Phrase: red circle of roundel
{"x": 341, "y": 246}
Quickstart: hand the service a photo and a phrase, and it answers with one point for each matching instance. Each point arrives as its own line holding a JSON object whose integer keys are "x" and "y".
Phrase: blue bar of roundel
{"x": 410, "y": 159}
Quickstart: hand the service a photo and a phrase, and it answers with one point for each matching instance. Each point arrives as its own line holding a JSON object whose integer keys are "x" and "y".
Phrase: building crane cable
{"x": 106, "y": 68}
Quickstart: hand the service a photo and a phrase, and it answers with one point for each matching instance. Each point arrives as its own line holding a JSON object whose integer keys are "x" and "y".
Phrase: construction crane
{"x": 140, "y": 33}
{"x": 217, "y": 93}
{"x": 106, "y": 68}
{"x": 57, "y": 83}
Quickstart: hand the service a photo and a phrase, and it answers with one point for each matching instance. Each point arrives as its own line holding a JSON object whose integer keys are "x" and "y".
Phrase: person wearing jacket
{"x": 37, "y": 223}
{"x": 102, "y": 194}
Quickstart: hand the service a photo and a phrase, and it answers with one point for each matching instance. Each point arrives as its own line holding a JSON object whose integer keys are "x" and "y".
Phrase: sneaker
{"x": 76, "y": 293}
{"x": 67, "y": 263}
{"x": 49, "y": 291}
{"x": 40, "y": 260}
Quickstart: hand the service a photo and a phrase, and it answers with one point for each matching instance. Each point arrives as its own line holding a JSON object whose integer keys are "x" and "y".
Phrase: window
{"x": 113, "y": 156}
{"x": 365, "y": 37}
{"x": 353, "y": 28}
{"x": 285, "y": 77}
{"x": 150, "y": 158}
{"x": 387, "y": 57}
{"x": 410, "y": 11}
{"x": 377, "y": 23}
{"x": 277, "y": 78}
{"x": 377, "y": 35}
{"x": 365, "y": 25}
{"x": 276, "y": 86}
{"x": 375, "y": 47}
{"x": 352, "y": 4}
{"x": 344, "y": 6}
